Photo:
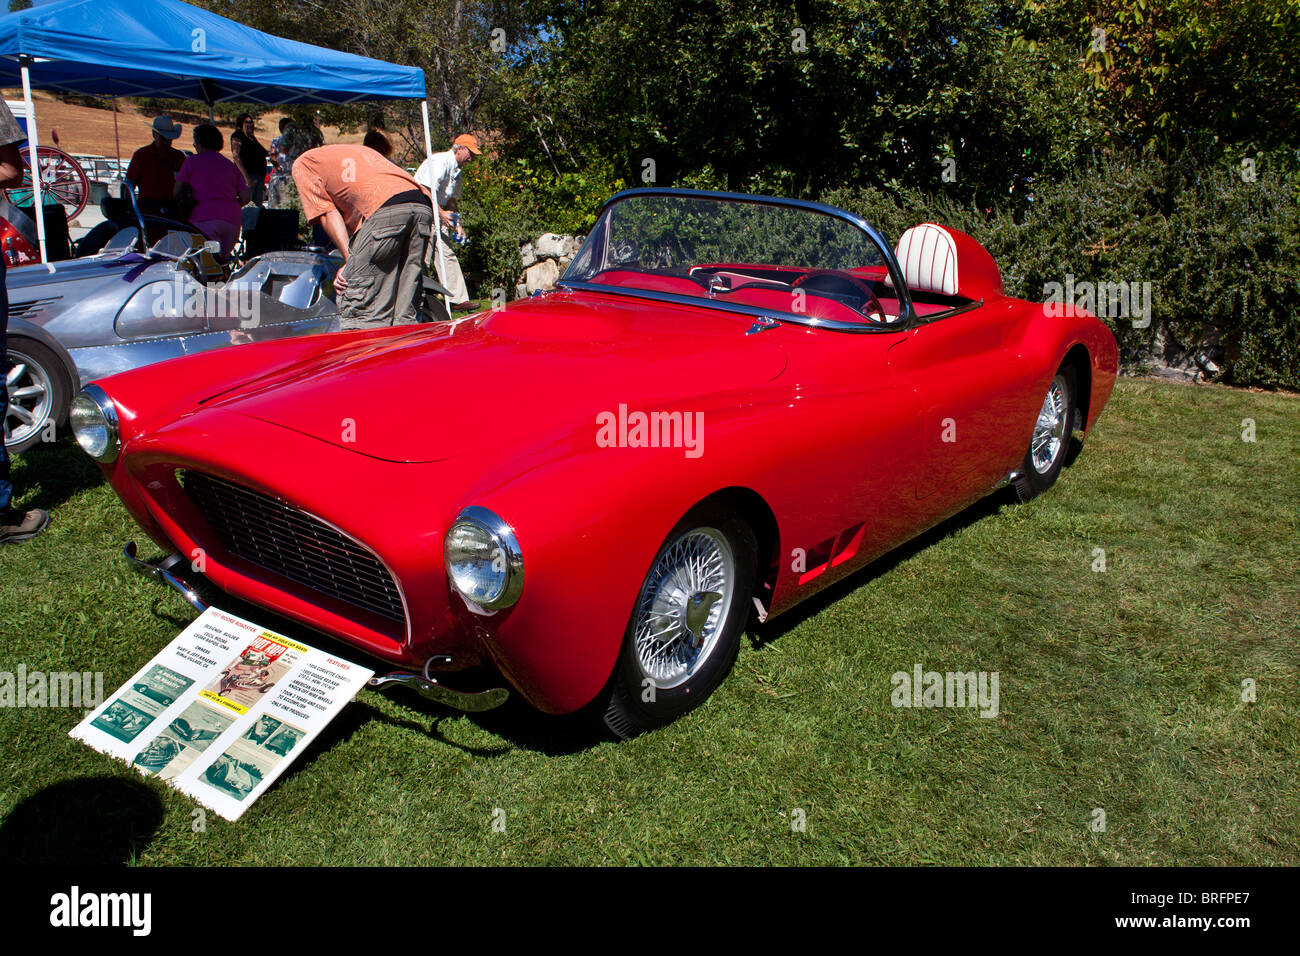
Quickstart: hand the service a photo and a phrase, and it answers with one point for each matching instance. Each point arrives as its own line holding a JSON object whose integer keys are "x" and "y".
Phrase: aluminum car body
{"x": 103, "y": 315}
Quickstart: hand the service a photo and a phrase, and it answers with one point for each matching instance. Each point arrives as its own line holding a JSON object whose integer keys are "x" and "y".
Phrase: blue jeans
{"x": 6, "y": 488}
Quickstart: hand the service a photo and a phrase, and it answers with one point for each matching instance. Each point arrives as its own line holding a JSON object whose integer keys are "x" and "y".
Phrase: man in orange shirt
{"x": 380, "y": 220}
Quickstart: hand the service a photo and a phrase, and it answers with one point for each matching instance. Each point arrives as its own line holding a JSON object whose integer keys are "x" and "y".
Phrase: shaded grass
{"x": 1120, "y": 691}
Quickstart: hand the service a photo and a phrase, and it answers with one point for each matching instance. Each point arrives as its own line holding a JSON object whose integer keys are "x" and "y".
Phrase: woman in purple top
{"x": 220, "y": 191}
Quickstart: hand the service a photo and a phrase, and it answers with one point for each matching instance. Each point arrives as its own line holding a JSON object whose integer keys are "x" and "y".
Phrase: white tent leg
{"x": 33, "y": 146}
{"x": 428, "y": 154}
{"x": 428, "y": 143}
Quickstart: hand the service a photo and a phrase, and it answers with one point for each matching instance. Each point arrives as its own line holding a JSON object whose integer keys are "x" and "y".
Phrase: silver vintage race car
{"x": 74, "y": 321}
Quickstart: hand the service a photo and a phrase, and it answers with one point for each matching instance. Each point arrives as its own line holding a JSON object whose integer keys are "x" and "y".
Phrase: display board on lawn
{"x": 223, "y": 710}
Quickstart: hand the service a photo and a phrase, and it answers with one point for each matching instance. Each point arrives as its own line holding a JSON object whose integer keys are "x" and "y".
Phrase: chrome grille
{"x": 290, "y": 543}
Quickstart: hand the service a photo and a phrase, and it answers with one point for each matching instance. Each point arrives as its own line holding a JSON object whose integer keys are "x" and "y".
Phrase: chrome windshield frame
{"x": 907, "y": 317}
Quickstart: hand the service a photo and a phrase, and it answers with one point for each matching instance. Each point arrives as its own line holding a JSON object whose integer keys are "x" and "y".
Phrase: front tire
{"x": 39, "y": 394}
{"x": 1051, "y": 437}
{"x": 685, "y": 629}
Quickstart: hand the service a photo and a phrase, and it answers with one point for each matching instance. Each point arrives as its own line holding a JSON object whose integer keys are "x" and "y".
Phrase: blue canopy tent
{"x": 166, "y": 48}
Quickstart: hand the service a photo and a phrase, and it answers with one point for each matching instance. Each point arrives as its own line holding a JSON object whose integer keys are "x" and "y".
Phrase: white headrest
{"x": 928, "y": 255}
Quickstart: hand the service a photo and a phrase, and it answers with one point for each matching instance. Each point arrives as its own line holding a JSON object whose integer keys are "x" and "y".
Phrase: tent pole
{"x": 33, "y": 147}
{"x": 428, "y": 154}
{"x": 117, "y": 143}
{"x": 428, "y": 143}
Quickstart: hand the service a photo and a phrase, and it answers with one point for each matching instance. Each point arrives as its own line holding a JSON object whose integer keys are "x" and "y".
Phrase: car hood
{"x": 538, "y": 371}
{"x": 34, "y": 276}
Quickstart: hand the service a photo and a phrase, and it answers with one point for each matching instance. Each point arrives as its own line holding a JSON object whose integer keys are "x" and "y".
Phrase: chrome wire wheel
{"x": 31, "y": 398}
{"x": 1049, "y": 431}
{"x": 683, "y": 606}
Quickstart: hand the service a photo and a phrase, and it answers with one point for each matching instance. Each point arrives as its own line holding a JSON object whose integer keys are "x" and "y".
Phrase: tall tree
{"x": 1204, "y": 71}
{"x": 807, "y": 95}
{"x": 458, "y": 43}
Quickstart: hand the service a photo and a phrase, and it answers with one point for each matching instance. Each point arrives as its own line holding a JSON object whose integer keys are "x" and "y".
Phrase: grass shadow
{"x": 92, "y": 821}
{"x": 987, "y": 506}
{"x": 59, "y": 472}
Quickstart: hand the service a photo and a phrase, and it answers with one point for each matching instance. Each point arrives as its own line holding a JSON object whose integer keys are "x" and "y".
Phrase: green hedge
{"x": 506, "y": 203}
{"x": 1221, "y": 252}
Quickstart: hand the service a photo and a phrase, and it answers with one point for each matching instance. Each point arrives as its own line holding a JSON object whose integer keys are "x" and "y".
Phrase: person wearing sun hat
{"x": 153, "y": 168}
{"x": 440, "y": 174}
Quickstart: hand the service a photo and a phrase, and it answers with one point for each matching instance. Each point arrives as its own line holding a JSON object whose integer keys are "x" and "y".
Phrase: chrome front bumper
{"x": 471, "y": 701}
{"x": 163, "y": 572}
{"x": 425, "y": 685}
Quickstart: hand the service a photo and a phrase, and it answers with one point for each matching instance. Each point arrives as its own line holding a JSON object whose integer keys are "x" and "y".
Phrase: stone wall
{"x": 544, "y": 261}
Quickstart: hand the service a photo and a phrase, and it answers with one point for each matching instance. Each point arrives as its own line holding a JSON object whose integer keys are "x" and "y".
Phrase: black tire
{"x": 1051, "y": 438}
{"x": 42, "y": 369}
{"x": 640, "y": 697}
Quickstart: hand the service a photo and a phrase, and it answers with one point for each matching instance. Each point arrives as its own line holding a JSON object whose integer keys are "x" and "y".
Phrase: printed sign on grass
{"x": 223, "y": 709}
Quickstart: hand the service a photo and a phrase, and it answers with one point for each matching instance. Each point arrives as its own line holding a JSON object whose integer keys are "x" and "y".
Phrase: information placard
{"x": 223, "y": 709}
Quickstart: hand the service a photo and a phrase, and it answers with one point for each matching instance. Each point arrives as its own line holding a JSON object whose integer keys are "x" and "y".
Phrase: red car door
{"x": 971, "y": 389}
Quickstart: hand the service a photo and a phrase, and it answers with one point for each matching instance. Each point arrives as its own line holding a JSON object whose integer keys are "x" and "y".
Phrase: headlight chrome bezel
{"x": 98, "y": 399}
{"x": 504, "y": 543}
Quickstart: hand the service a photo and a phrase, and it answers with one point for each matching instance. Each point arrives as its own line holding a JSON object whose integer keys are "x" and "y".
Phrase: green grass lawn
{"x": 1120, "y": 691}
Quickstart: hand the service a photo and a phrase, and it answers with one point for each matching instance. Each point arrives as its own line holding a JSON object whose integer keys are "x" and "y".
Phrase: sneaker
{"x": 17, "y": 526}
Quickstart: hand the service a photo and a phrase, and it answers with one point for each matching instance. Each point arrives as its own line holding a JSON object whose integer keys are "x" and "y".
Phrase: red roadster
{"x": 728, "y": 403}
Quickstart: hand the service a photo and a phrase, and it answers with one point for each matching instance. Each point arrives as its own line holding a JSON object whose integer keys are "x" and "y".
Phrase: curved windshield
{"x": 763, "y": 255}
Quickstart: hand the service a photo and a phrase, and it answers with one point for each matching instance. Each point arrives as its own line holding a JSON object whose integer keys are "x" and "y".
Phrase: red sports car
{"x": 728, "y": 403}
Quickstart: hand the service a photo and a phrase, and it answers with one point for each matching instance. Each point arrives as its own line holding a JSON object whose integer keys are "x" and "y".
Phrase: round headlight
{"x": 483, "y": 559}
{"x": 94, "y": 423}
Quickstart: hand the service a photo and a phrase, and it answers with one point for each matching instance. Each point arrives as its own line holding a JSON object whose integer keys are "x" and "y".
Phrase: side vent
{"x": 833, "y": 552}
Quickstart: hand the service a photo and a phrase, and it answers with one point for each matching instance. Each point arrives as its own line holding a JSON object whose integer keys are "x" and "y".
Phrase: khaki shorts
{"x": 385, "y": 268}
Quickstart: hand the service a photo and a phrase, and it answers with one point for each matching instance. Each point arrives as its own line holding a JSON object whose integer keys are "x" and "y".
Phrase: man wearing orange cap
{"x": 440, "y": 174}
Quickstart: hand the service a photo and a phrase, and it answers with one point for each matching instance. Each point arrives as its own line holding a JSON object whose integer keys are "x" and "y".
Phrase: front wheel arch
{"x": 754, "y": 510}
{"x": 1079, "y": 359}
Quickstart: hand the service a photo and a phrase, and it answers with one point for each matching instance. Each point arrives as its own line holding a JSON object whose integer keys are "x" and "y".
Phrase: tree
{"x": 804, "y": 96}
{"x": 1201, "y": 71}
{"x": 456, "y": 42}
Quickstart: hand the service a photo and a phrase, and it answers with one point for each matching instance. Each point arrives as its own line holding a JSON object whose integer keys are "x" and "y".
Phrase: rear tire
{"x": 685, "y": 629}
{"x": 1051, "y": 437}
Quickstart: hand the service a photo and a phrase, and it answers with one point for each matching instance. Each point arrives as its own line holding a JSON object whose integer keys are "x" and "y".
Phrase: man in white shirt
{"x": 440, "y": 174}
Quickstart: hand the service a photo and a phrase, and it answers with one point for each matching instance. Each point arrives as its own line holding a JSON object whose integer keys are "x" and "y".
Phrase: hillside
{"x": 85, "y": 129}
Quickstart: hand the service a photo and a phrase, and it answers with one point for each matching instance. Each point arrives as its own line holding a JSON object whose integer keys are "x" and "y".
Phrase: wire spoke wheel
{"x": 1049, "y": 441}
{"x": 1049, "y": 431}
{"x": 683, "y": 605}
{"x": 685, "y": 626}
{"x": 61, "y": 177}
